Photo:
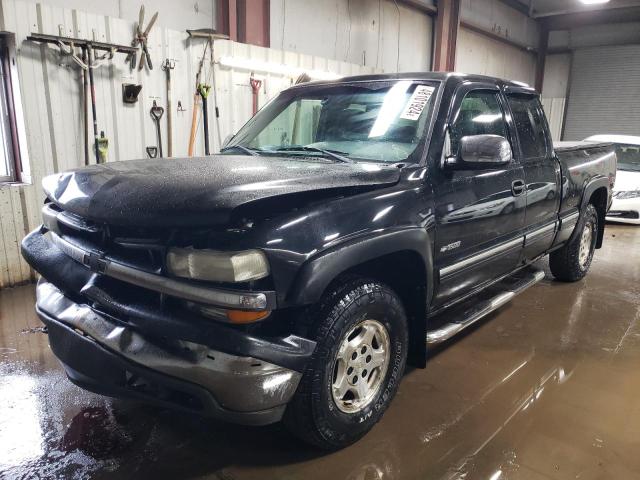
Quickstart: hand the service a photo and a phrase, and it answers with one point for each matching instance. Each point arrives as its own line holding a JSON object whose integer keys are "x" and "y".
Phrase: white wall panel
{"x": 554, "y": 109}
{"x": 374, "y": 33}
{"x": 176, "y": 14}
{"x": 480, "y": 54}
{"x": 52, "y": 102}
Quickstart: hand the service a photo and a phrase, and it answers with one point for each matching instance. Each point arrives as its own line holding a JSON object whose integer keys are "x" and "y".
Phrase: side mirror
{"x": 485, "y": 150}
{"x": 482, "y": 151}
{"x": 227, "y": 139}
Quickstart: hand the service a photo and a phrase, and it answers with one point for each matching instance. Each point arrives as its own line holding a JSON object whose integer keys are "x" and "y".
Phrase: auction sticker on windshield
{"x": 417, "y": 102}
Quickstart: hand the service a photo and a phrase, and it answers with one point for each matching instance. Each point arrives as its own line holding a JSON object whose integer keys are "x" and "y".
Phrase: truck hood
{"x": 204, "y": 191}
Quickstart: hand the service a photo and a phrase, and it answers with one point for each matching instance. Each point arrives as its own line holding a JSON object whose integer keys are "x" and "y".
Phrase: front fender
{"x": 316, "y": 273}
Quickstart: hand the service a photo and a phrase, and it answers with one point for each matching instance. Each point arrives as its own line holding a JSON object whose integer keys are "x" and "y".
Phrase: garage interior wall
{"x": 196, "y": 14}
{"x": 382, "y": 34}
{"x": 52, "y": 102}
{"x": 479, "y": 53}
{"x": 598, "y": 55}
{"x": 554, "y": 90}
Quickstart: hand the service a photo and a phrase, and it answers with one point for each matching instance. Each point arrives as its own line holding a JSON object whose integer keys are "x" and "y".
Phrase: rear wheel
{"x": 572, "y": 262}
{"x": 361, "y": 330}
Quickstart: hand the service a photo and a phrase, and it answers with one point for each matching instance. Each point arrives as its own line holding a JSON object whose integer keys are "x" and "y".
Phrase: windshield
{"x": 628, "y": 157}
{"x": 376, "y": 121}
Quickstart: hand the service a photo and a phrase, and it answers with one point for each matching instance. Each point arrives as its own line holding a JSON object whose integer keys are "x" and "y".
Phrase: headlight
{"x": 626, "y": 195}
{"x": 217, "y": 266}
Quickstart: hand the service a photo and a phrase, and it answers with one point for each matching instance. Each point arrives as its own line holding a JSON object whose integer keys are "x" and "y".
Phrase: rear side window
{"x": 480, "y": 113}
{"x": 527, "y": 116}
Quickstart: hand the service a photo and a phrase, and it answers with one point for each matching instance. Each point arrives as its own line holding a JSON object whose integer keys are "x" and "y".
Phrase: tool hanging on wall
{"x": 103, "y": 147}
{"x": 167, "y": 66}
{"x": 130, "y": 92}
{"x": 141, "y": 38}
{"x": 214, "y": 86}
{"x": 85, "y": 108}
{"x": 210, "y": 35}
{"x": 156, "y": 113}
{"x": 196, "y": 101}
{"x": 255, "y": 89}
{"x": 204, "y": 93}
{"x": 92, "y": 89}
{"x": 88, "y": 62}
{"x": 152, "y": 152}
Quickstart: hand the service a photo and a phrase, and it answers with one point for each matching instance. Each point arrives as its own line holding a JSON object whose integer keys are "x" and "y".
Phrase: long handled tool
{"x": 141, "y": 38}
{"x": 85, "y": 108}
{"x": 156, "y": 113}
{"x": 255, "y": 89}
{"x": 88, "y": 62}
{"x": 210, "y": 35}
{"x": 196, "y": 100}
{"x": 92, "y": 87}
{"x": 167, "y": 66}
{"x": 204, "y": 93}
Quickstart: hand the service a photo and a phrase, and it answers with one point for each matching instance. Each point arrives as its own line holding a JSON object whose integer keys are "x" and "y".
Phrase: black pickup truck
{"x": 345, "y": 229}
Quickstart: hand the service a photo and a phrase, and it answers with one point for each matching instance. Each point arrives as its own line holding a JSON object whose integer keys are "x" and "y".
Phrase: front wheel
{"x": 361, "y": 352}
{"x": 571, "y": 263}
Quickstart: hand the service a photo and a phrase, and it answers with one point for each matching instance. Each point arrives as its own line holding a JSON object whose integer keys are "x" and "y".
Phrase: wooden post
{"x": 447, "y": 25}
{"x": 541, "y": 58}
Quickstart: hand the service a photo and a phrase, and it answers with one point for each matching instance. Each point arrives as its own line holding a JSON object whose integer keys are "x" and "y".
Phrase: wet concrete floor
{"x": 546, "y": 388}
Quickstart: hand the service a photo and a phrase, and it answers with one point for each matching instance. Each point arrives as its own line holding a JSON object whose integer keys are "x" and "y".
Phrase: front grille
{"x": 138, "y": 247}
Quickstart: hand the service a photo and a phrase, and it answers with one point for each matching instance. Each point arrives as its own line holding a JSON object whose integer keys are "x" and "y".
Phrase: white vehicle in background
{"x": 626, "y": 192}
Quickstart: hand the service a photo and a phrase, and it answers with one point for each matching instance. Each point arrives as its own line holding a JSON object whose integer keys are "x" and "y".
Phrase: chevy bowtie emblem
{"x": 95, "y": 261}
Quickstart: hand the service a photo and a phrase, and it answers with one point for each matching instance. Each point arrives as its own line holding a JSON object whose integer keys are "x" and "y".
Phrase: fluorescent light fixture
{"x": 274, "y": 68}
{"x": 594, "y": 2}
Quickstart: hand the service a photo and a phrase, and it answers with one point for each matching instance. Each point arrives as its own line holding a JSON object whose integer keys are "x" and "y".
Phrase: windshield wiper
{"x": 340, "y": 156}
{"x": 249, "y": 151}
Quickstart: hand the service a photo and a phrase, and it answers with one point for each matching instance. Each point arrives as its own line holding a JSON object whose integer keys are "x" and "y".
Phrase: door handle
{"x": 517, "y": 187}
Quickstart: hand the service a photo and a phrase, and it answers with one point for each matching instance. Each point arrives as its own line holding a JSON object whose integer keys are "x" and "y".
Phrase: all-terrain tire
{"x": 565, "y": 263}
{"x": 313, "y": 415}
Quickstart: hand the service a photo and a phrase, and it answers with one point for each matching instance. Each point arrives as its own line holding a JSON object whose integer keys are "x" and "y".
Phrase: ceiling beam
{"x": 517, "y": 5}
{"x": 591, "y": 17}
{"x": 419, "y": 5}
{"x": 499, "y": 38}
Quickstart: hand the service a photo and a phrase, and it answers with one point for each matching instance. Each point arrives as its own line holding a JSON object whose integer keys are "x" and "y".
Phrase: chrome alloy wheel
{"x": 360, "y": 366}
{"x": 585, "y": 245}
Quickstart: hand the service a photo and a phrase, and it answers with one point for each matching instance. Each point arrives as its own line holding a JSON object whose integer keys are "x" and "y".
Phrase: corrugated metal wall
{"x": 52, "y": 102}
{"x": 594, "y": 107}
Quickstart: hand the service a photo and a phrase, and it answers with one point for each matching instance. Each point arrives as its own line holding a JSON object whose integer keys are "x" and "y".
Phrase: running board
{"x": 471, "y": 315}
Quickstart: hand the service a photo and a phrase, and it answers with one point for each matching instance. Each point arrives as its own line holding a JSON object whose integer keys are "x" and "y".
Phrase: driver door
{"x": 479, "y": 213}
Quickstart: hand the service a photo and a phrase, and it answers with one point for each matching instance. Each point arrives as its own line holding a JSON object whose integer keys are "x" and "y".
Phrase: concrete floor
{"x": 547, "y": 388}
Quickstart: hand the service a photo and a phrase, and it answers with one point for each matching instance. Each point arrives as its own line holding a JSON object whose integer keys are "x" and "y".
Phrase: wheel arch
{"x": 401, "y": 259}
{"x": 596, "y": 193}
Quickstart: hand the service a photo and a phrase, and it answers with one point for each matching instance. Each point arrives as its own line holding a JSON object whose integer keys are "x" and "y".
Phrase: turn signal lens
{"x": 243, "y": 316}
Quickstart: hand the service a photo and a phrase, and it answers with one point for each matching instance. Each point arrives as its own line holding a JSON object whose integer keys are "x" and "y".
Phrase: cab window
{"x": 480, "y": 114}
{"x": 529, "y": 123}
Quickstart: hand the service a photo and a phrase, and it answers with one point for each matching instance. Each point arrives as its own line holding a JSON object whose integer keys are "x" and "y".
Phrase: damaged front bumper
{"x": 106, "y": 357}
{"x": 114, "y": 338}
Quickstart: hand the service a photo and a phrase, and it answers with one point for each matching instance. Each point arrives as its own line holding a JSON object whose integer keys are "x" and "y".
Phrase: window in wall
{"x": 527, "y": 115}
{"x": 480, "y": 114}
{"x": 11, "y": 148}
